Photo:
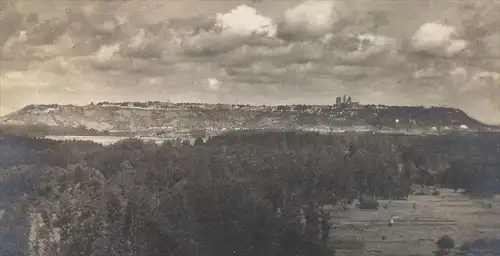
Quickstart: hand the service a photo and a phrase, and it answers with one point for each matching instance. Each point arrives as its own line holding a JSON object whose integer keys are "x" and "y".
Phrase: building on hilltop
{"x": 346, "y": 102}
{"x": 338, "y": 101}
{"x": 354, "y": 105}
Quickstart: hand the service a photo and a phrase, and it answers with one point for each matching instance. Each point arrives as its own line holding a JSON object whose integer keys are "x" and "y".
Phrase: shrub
{"x": 480, "y": 243}
{"x": 368, "y": 204}
{"x": 445, "y": 243}
{"x": 494, "y": 243}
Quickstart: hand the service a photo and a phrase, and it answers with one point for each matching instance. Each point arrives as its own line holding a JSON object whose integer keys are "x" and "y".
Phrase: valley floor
{"x": 416, "y": 229}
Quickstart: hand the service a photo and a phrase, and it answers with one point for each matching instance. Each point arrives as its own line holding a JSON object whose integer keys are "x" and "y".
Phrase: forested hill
{"x": 153, "y": 118}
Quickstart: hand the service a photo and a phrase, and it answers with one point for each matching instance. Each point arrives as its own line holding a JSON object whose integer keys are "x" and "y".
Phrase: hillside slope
{"x": 156, "y": 118}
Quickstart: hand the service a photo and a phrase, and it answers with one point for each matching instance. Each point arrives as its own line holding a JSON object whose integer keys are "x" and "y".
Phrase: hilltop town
{"x": 196, "y": 119}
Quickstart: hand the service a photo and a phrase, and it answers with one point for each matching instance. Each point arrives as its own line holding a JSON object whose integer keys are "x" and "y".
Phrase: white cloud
{"x": 273, "y": 49}
{"x": 107, "y": 52}
{"x": 244, "y": 21}
{"x": 311, "y": 18}
{"x": 213, "y": 84}
{"x": 137, "y": 40}
{"x": 437, "y": 39}
{"x": 315, "y": 16}
{"x": 455, "y": 46}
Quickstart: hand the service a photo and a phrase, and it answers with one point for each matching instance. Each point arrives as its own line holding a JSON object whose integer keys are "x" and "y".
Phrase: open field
{"x": 415, "y": 231}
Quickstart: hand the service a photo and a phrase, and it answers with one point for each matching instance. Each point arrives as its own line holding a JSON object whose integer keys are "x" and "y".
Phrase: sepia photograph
{"x": 249, "y": 127}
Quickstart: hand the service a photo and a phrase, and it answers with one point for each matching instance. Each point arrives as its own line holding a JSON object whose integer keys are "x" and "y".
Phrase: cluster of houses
{"x": 344, "y": 115}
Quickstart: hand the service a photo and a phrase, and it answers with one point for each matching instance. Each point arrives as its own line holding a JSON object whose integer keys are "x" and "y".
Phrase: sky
{"x": 395, "y": 52}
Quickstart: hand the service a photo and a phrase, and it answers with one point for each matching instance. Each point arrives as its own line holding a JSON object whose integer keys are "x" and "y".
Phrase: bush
{"x": 198, "y": 142}
{"x": 494, "y": 243}
{"x": 479, "y": 244}
{"x": 368, "y": 204}
{"x": 445, "y": 243}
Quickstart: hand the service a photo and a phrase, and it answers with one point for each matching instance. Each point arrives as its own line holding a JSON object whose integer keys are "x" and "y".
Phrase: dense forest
{"x": 251, "y": 193}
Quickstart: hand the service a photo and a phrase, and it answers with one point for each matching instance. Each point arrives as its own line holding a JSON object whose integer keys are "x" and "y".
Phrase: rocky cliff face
{"x": 156, "y": 118}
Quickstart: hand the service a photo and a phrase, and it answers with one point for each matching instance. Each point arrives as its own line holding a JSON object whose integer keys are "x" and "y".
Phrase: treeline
{"x": 37, "y": 130}
{"x": 236, "y": 194}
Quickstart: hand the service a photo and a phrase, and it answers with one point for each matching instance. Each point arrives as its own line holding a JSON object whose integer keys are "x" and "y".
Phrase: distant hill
{"x": 159, "y": 118}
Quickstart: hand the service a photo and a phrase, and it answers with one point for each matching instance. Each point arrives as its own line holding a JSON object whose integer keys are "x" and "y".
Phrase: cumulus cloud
{"x": 287, "y": 51}
{"x": 367, "y": 49}
{"x": 213, "y": 84}
{"x": 241, "y": 25}
{"x": 107, "y": 52}
{"x": 438, "y": 39}
{"x": 244, "y": 21}
{"x": 210, "y": 44}
{"x": 311, "y": 18}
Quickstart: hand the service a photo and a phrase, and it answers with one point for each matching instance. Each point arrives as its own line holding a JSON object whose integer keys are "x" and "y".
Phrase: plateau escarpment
{"x": 165, "y": 119}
